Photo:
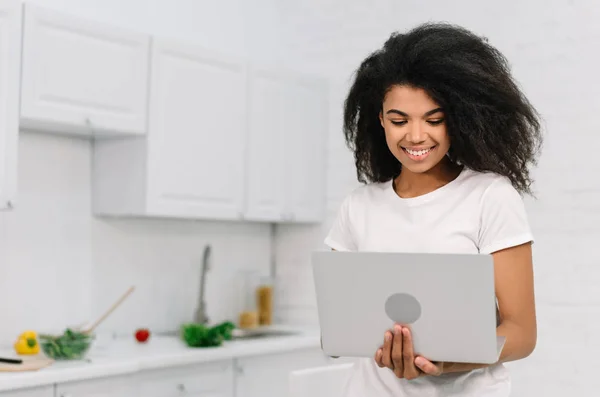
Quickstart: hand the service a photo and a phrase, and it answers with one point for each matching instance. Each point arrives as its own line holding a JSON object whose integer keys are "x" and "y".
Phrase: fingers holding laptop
{"x": 383, "y": 356}
{"x": 407, "y": 354}
{"x": 390, "y": 354}
{"x": 428, "y": 367}
{"x": 398, "y": 355}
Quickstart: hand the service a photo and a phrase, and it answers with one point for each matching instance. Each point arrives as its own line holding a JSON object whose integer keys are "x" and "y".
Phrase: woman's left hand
{"x": 397, "y": 354}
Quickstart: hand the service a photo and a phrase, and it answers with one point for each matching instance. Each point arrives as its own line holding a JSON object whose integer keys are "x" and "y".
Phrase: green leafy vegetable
{"x": 71, "y": 345}
{"x": 199, "y": 335}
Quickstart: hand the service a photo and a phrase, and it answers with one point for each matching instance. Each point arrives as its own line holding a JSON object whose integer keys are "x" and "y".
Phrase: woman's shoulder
{"x": 369, "y": 192}
{"x": 484, "y": 183}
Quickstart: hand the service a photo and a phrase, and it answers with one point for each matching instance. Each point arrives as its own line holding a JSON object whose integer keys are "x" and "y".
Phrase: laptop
{"x": 447, "y": 300}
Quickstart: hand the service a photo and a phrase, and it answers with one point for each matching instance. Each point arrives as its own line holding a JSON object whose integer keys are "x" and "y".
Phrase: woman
{"x": 443, "y": 140}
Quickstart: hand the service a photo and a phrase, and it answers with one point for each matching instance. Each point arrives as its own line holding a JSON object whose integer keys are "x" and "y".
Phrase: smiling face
{"x": 415, "y": 129}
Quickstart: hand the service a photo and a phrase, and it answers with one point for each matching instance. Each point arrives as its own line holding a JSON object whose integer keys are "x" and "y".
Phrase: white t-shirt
{"x": 474, "y": 213}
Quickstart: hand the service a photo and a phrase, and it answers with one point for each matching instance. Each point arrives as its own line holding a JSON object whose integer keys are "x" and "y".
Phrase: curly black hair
{"x": 491, "y": 124}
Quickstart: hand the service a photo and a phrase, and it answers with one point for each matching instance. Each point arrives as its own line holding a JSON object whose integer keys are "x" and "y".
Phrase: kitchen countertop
{"x": 113, "y": 357}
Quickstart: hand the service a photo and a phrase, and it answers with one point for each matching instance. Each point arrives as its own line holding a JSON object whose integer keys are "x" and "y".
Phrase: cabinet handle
{"x": 89, "y": 125}
{"x": 239, "y": 369}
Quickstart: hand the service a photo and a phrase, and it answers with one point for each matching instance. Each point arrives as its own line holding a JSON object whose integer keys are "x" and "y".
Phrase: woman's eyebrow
{"x": 433, "y": 111}
{"x": 401, "y": 113}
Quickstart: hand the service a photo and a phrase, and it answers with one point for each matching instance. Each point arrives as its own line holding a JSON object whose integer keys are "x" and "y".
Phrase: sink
{"x": 263, "y": 332}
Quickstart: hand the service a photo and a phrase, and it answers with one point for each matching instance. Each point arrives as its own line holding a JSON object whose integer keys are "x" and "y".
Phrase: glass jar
{"x": 248, "y": 310}
{"x": 264, "y": 301}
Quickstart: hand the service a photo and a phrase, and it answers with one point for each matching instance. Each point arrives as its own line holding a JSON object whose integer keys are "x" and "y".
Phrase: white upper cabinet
{"x": 82, "y": 77}
{"x": 197, "y": 132}
{"x": 286, "y": 152}
{"x": 10, "y": 70}
{"x": 191, "y": 164}
{"x": 306, "y": 140}
{"x": 266, "y": 157}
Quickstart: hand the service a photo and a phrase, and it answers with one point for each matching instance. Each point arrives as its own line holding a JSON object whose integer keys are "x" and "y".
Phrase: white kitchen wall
{"x": 60, "y": 266}
{"x": 45, "y": 244}
{"x": 550, "y": 46}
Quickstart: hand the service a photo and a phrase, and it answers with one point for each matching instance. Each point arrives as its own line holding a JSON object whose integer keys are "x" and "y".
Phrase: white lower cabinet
{"x": 267, "y": 375}
{"x": 116, "y": 386}
{"x": 256, "y": 376}
{"x": 43, "y": 391}
{"x": 213, "y": 379}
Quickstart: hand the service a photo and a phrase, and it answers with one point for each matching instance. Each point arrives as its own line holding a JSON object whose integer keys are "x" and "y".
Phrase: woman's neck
{"x": 409, "y": 184}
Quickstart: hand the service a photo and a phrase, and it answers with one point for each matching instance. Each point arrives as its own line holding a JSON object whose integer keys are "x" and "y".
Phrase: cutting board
{"x": 29, "y": 364}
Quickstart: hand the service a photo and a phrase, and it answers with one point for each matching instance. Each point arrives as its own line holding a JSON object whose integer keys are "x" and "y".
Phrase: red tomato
{"x": 142, "y": 335}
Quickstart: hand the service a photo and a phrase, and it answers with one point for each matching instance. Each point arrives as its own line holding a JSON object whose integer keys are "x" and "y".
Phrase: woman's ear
{"x": 381, "y": 118}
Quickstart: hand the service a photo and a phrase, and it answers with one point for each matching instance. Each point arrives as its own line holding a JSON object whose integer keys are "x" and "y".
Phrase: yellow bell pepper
{"x": 27, "y": 343}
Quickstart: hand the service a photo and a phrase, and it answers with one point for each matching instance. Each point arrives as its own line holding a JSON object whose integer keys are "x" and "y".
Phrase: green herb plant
{"x": 199, "y": 335}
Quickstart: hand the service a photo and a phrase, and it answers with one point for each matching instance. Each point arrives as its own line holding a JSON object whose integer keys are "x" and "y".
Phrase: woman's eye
{"x": 436, "y": 121}
{"x": 398, "y": 122}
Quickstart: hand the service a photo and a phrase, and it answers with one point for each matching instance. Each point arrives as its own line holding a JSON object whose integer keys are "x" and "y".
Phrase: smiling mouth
{"x": 418, "y": 154}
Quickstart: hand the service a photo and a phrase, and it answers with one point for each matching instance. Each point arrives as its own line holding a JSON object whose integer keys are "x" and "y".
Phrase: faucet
{"x": 200, "y": 316}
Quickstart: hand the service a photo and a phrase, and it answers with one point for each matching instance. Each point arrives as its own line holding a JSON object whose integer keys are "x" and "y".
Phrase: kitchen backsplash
{"x": 60, "y": 266}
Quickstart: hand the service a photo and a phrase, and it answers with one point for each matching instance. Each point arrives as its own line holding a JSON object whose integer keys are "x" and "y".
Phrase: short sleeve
{"x": 504, "y": 222}
{"x": 340, "y": 237}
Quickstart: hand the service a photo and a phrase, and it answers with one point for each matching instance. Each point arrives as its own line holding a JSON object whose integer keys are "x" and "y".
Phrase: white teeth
{"x": 418, "y": 152}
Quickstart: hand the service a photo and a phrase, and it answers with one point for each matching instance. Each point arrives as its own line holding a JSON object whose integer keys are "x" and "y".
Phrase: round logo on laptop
{"x": 403, "y": 308}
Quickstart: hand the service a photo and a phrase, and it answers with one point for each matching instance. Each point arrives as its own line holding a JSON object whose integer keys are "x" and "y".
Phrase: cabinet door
{"x": 267, "y": 376}
{"x": 207, "y": 380}
{"x": 121, "y": 386}
{"x": 267, "y": 125}
{"x": 82, "y": 77}
{"x": 197, "y": 133}
{"x": 10, "y": 66}
{"x": 44, "y": 391}
{"x": 306, "y": 137}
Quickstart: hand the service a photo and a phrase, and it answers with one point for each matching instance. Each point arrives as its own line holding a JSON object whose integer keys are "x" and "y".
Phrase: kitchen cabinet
{"x": 10, "y": 72}
{"x": 266, "y": 196}
{"x": 192, "y": 163}
{"x": 205, "y": 380}
{"x": 82, "y": 77}
{"x": 267, "y": 375}
{"x": 287, "y": 135}
{"x": 44, "y": 391}
{"x": 305, "y": 145}
{"x": 261, "y": 375}
{"x": 116, "y": 386}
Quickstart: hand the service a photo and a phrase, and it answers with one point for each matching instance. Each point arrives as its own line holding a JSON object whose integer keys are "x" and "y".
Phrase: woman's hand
{"x": 397, "y": 354}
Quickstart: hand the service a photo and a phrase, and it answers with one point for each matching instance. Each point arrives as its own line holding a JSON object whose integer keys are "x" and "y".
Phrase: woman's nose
{"x": 416, "y": 134}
